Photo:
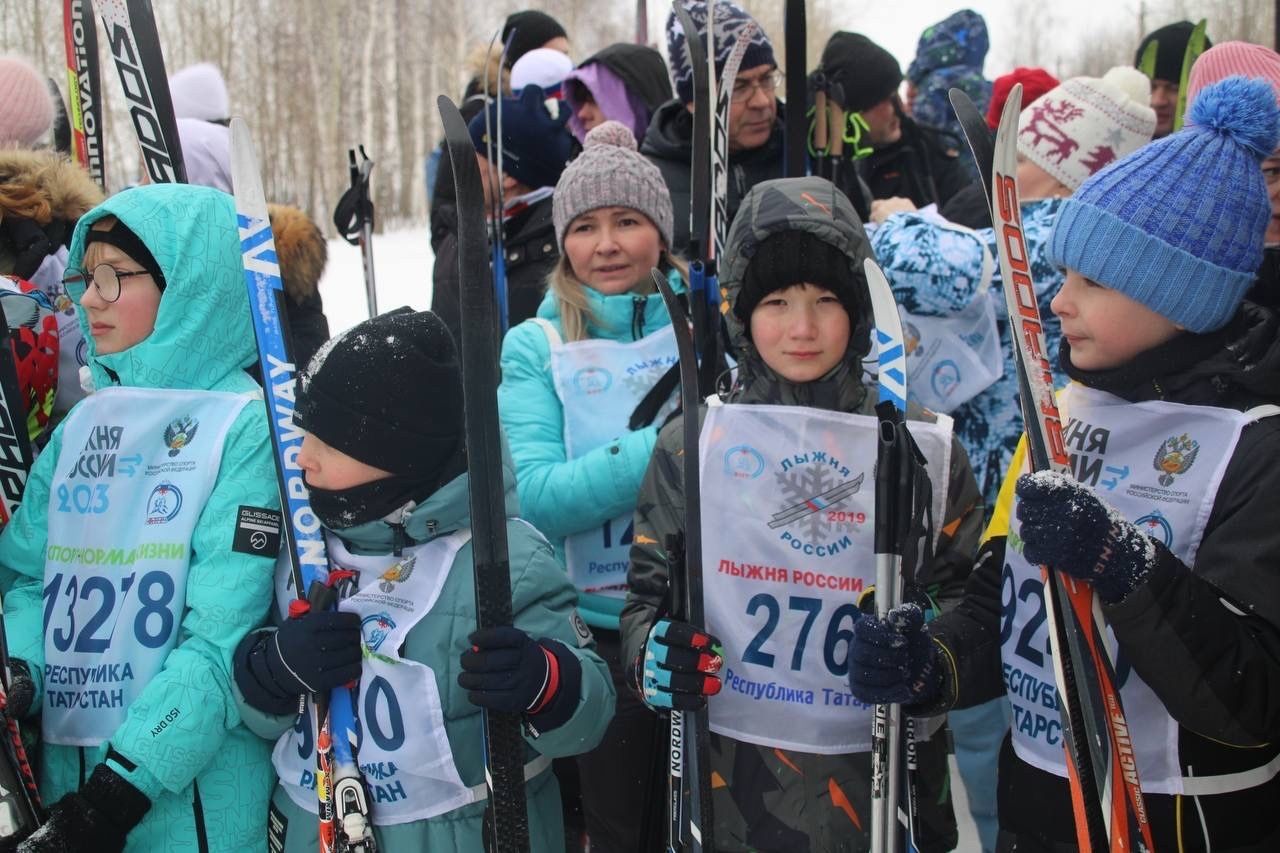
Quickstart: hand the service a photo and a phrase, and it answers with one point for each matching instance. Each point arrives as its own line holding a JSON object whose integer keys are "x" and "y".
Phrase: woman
{"x": 624, "y": 82}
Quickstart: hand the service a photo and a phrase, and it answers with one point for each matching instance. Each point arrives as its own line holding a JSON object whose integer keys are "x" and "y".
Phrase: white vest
{"x": 599, "y": 382}
{"x": 136, "y": 468}
{"x": 1160, "y": 465}
{"x": 404, "y": 752}
{"x": 788, "y": 522}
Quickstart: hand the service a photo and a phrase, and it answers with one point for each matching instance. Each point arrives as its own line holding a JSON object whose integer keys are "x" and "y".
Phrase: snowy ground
{"x": 403, "y": 261}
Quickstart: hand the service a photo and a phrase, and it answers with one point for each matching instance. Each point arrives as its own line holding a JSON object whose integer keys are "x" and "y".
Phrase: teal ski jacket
{"x": 207, "y": 776}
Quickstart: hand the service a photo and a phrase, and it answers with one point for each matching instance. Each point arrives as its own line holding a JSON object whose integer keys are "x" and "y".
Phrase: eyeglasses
{"x": 104, "y": 276}
{"x": 744, "y": 89}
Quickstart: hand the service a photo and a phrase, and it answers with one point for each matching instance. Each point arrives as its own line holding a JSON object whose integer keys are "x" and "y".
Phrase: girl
{"x": 624, "y": 82}
{"x": 781, "y": 583}
{"x": 581, "y": 400}
{"x": 385, "y": 461}
{"x": 128, "y": 576}
{"x": 1170, "y": 424}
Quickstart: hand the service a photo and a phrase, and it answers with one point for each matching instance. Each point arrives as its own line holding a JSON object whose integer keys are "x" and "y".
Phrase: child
{"x": 128, "y": 578}
{"x": 796, "y": 425}
{"x": 1173, "y": 517}
{"x": 573, "y": 379}
{"x": 385, "y": 461}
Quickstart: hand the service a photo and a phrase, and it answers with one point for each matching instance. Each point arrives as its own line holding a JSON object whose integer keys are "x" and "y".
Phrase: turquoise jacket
{"x": 543, "y": 602}
{"x": 560, "y": 496}
{"x": 207, "y": 776}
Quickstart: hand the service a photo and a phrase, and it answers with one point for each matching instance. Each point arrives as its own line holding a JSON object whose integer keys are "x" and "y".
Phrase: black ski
{"x": 504, "y": 753}
{"x": 797, "y": 90}
{"x": 84, "y": 87}
{"x": 130, "y": 27}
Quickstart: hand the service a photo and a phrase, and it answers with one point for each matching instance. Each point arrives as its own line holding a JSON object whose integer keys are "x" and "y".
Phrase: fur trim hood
{"x": 43, "y": 186}
{"x": 301, "y": 250}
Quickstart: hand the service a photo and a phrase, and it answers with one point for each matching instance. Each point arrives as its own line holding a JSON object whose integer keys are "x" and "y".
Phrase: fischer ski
{"x": 692, "y": 822}
{"x": 353, "y": 218}
{"x": 1107, "y": 801}
{"x": 797, "y": 138}
{"x": 507, "y": 819}
{"x": 84, "y": 87}
{"x": 343, "y": 803}
{"x": 130, "y": 27}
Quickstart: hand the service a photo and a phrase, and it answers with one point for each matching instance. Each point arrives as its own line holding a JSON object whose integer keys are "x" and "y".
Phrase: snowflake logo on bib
{"x": 811, "y": 491}
{"x": 179, "y": 433}
{"x": 1176, "y": 456}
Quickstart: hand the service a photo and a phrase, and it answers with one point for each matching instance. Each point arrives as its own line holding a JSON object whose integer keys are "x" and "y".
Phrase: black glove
{"x": 311, "y": 654}
{"x": 894, "y": 660}
{"x": 681, "y": 666}
{"x": 22, "y": 690}
{"x": 97, "y": 817}
{"x": 1066, "y": 527}
{"x": 507, "y": 670}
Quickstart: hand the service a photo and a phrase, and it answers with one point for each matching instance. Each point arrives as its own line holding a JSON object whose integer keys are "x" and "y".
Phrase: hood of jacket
{"x": 43, "y": 186}
{"x": 640, "y": 67}
{"x": 959, "y": 39}
{"x": 670, "y": 137}
{"x": 816, "y": 206}
{"x": 203, "y": 336}
{"x": 622, "y": 317}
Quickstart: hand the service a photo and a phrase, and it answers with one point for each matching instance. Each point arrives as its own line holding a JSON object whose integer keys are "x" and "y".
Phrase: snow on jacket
{"x": 207, "y": 776}
{"x": 1205, "y": 638}
{"x": 543, "y": 603}
{"x": 558, "y": 495}
{"x": 935, "y": 271}
{"x": 778, "y": 799}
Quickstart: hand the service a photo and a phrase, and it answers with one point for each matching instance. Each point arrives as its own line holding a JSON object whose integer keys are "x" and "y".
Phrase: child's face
{"x": 801, "y": 331}
{"x": 326, "y": 467}
{"x": 118, "y": 325}
{"x": 1104, "y": 327}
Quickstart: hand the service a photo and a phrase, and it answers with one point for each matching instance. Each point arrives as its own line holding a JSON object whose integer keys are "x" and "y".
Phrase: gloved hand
{"x": 97, "y": 817}
{"x": 313, "y": 653}
{"x": 22, "y": 690}
{"x": 1068, "y": 528}
{"x": 507, "y": 670}
{"x": 680, "y": 667}
{"x": 894, "y": 660}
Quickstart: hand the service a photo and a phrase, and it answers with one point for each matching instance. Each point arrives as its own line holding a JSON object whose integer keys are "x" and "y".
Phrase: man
{"x": 1166, "y": 74}
{"x": 755, "y": 123}
{"x": 905, "y": 159}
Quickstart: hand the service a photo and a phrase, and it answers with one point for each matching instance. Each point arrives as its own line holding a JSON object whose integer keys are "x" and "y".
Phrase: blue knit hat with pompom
{"x": 1178, "y": 225}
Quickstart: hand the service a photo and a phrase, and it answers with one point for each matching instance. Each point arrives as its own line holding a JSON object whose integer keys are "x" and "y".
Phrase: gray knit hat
{"x": 610, "y": 172}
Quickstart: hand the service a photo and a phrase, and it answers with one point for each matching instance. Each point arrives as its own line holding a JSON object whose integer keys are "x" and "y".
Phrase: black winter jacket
{"x": 1206, "y": 638}
{"x": 924, "y": 166}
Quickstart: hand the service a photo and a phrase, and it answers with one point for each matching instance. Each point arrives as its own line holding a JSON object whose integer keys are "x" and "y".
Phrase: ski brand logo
{"x": 946, "y": 378}
{"x": 1155, "y": 525}
{"x": 593, "y": 380}
{"x": 1176, "y": 455}
{"x": 743, "y": 462}
{"x": 85, "y": 118}
{"x": 179, "y": 433}
{"x": 164, "y": 504}
{"x": 137, "y": 91}
{"x": 399, "y": 573}
{"x": 376, "y": 628}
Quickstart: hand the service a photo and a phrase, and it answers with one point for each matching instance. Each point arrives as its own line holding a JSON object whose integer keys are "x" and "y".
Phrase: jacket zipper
{"x": 638, "y": 304}
{"x": 197, "y": 811}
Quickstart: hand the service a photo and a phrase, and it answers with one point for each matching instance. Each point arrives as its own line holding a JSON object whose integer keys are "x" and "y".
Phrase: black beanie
{"x": 1171, "y": 48}
{"x": 859, "y": 72}
{"x": 533, "y": 30}
{"x": 388, "y": 392}
{"x": 131, "y": 244}
{"x": 790, "y": 257}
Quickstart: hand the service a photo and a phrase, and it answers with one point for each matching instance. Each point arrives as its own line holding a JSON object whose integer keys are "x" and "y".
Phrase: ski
{"x": 507, "y": 817}
{"x": 1195, "y": 47}
{"x": 794, "y": 37}
{"x": 690, "y": 743}
{"x": 1102, "y": 771}
{"x": 642, "y": 22}
{"x": 343, "y": 803}
{"x": 84, "y": 87}
{"x": 130, "y": 27}
{"x": 353, "y": 218}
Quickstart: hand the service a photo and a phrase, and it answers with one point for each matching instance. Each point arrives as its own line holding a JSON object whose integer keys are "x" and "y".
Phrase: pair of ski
{"x": 1106, "y": 794}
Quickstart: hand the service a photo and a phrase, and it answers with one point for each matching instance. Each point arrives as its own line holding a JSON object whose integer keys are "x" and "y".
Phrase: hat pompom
{"x": 610, "y": 133}
{"x": 1131, "y": 81}
{"x": 1242, "y": 109}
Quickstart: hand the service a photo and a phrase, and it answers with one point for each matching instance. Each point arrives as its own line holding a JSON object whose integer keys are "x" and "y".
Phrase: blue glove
{"x": 681, "y": 666}
{"x": 1066, "y": 527}
{"x": 894, "y": 660}
{"x": 507, "y": 670}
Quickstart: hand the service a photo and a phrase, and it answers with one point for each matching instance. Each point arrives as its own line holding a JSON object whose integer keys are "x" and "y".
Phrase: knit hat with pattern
{"x": 1087, "y": 123}
{"x": 611, "y": 173}
{"x": 1178, "y": 225}
{"x": 26, "y": 108}
{"x": 730, "y": 19}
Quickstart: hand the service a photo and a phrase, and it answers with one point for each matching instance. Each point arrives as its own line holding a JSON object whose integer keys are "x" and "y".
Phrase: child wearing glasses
{"x": 129, "y": 573}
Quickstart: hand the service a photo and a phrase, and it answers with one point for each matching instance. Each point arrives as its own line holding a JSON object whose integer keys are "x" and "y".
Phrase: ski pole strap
{"x": 1226, "y": 783}
{"x": 647, "y": 409}
{"x": 480, "y": 793}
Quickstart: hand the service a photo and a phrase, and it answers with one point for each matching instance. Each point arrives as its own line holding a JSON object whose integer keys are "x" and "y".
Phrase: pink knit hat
{"x": 1231, "y": 58}
{"x": 26, "y": 107}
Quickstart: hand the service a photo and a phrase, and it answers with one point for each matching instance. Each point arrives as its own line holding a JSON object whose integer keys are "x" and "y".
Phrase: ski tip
{"x": 1012, "y": 105}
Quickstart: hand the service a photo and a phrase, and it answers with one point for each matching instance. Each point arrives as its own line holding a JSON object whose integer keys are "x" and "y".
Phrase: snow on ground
{"x": 402, "y": 262}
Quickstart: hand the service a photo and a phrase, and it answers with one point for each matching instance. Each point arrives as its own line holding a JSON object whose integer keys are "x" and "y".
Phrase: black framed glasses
{"x": 104, "y": 277}
{"x": 769, "y": 83}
